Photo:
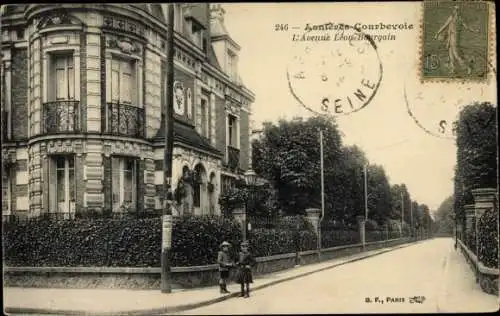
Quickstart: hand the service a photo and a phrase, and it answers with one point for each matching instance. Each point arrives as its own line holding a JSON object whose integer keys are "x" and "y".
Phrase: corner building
{"x": 83, "y": 95}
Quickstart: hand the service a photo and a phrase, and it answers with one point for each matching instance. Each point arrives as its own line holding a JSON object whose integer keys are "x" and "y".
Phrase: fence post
{"x": 386, "y": 230}
{"x": 469, "y": 223}
{"x": 297, "y": 240}
{"x": 313, "y": 218}
{"x": 361, "y": 228}
{"x": 239, "y": 215}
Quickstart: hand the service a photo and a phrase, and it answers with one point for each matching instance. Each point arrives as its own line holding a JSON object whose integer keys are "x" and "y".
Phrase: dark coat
{"x": 245, "y": 261}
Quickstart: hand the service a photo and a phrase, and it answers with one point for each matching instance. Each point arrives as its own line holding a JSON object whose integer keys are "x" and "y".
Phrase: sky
{"x": 383, "y": 128}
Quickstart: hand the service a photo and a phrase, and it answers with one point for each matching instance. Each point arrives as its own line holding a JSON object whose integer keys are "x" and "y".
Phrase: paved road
{"x": 388, "y": 280}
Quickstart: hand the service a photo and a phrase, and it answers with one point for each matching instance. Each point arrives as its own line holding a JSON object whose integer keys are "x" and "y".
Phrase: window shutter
{"x": 115, "y": 81}
{"x": 108, "y": 194}
{"x": 139, "y": 190}
{"x": 52, "y": 179}
{"x": 115, "y": 184}
{"x": 126, "y": 82}
{"x": 61, "y": 91}
{"x": 198, "y": 117}
{"x": 71, "y": 79}
{"x": 203, "y": 119}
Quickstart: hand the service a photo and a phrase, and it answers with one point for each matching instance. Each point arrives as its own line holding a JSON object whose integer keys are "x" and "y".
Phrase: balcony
{"x": 233, "y": 158}
{"x": 61, "y": 117}
{"x": 124, "y": 120}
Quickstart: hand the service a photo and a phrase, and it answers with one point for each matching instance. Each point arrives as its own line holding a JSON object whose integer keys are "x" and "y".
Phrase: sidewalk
{"x": 142, "y": 302}
{"x": 460, "y": 293}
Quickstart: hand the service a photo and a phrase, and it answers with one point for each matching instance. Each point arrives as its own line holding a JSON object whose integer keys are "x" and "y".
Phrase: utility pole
{"x": 366, "y": 191}
{"x": 402, "y": 213}
{"x": 411, "y": 216}
{"x": 166, "y": 276}
{"x": 322, "y": 189}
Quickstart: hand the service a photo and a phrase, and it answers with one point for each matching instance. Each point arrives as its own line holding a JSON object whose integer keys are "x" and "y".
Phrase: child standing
{"x": 225, "y": 263}
{"x": 245, "y": 262}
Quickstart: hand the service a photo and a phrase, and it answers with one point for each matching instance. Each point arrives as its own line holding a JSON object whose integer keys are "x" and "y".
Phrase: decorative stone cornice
{"x": 121, "y": 24}
{"x": 64, "y": 146}
{"x": 59, "y": 17}
{"x": 123, "y": 44}
{"x": 186, "y": 60}
{"x": 122, "y": 148}
{"x": 192, "y": 156}
{"x": 232, "y": 107}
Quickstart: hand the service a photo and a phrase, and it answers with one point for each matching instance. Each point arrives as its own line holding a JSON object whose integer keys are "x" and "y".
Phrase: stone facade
{"x": 83, "y": 109}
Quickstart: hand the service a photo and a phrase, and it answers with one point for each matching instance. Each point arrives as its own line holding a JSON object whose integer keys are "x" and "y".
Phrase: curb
{"x": 185, "y": 307}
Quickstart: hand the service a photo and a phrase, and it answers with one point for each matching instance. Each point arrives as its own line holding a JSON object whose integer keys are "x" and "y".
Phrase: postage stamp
{"x": 455, "y": 40}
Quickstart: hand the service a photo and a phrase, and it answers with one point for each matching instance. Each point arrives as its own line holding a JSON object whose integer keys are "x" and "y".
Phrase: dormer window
{"x": 178, "y": 18}
{"x": 231, "y": 65}
{"x": 197, "y": 34}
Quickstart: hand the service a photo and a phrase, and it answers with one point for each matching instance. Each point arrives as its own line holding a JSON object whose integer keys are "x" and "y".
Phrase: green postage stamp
{"x": 455, "y": 40}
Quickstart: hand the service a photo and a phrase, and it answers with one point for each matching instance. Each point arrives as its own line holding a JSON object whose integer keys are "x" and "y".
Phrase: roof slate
{"x": 185, "y": 133}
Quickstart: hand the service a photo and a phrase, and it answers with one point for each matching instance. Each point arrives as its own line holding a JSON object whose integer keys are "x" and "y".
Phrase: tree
{"x": 397, "y": 191}
{"x": 289, "y": 156}
{"x": 444, "y": 217}
{"x": 380, "y": 201}
{"x": 351, "y": 173}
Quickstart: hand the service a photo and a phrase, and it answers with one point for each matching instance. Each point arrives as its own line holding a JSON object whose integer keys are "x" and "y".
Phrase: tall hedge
{"x": 476, "y": 153}
{"x": 82, "y": 242}
{"x": 133, "y": 242}
{"x": 115, "y": 242}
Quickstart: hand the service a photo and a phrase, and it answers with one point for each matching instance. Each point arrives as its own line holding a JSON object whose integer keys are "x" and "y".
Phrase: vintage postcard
{"x": 249, "y": 158}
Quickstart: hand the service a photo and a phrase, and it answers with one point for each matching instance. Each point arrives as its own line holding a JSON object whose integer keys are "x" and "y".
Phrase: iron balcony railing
{"x": 233, "y": 158}
{"x": 61, "y": 117}
{"x": 124, "y": 120}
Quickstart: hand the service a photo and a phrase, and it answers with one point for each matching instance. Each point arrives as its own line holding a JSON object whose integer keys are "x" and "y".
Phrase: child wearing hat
{"x": 225, "y": 263}
{"x": 245, "y": 263}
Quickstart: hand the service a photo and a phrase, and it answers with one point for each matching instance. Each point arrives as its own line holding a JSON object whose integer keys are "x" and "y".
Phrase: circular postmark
{"x": 435, "y": 107}
{"x": 338, "y": 76}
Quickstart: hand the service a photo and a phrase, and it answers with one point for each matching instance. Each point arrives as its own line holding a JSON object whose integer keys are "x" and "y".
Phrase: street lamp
{"x": 166, "y": 273}
{"x": 250, "y": 180}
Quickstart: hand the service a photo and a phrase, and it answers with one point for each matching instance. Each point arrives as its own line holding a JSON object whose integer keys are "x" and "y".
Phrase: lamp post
{"x": 366, "y": 191}
{"x": 250, "y": 180}
{"x": 322, "y": 189}
{"x": 166, "y": 277}
{"x": 402, "y": 213}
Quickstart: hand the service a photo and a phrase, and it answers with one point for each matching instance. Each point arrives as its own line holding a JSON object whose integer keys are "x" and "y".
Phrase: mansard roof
{"x": 186, "y": 134}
